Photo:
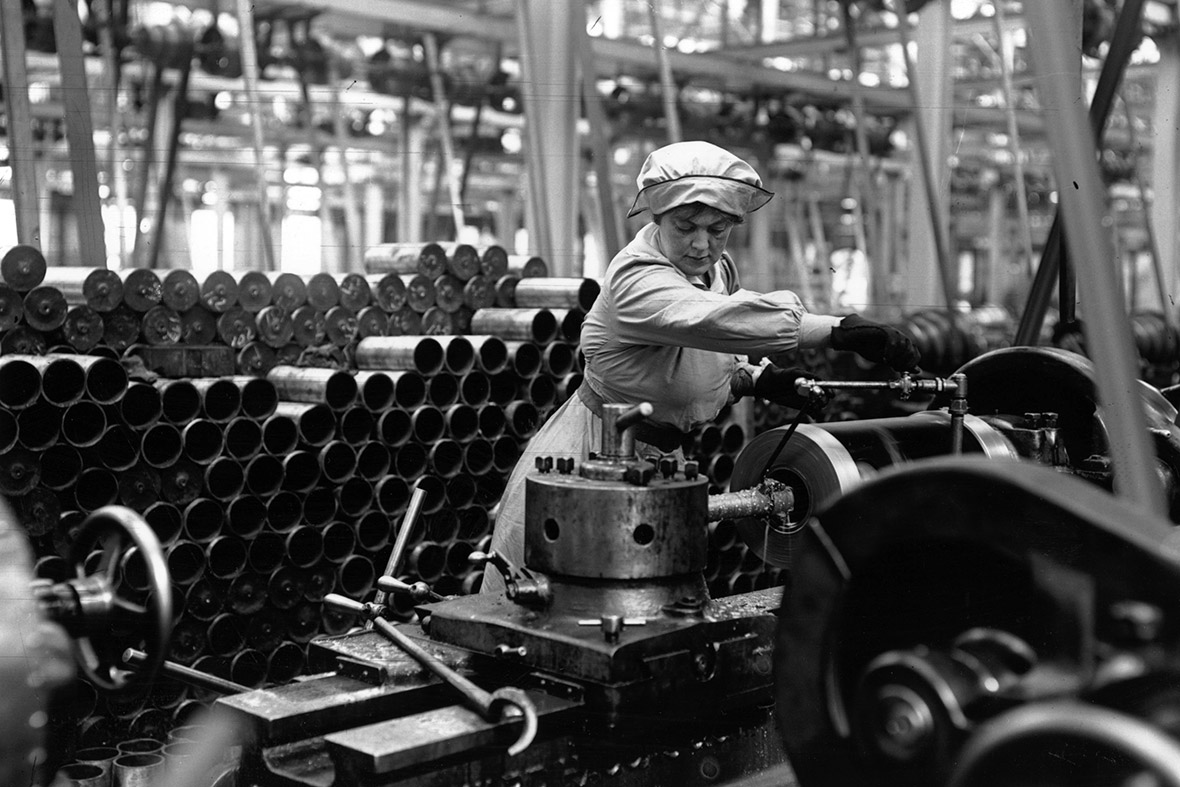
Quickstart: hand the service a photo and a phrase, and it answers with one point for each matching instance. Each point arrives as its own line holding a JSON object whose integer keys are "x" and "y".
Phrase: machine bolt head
{"x": 508, "y": 650}
{"x": 1136, "y": 622}
{"x": 639, "y": 476}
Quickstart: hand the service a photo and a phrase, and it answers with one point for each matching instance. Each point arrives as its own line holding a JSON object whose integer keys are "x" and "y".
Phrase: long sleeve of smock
{"x": 656, "y": 305}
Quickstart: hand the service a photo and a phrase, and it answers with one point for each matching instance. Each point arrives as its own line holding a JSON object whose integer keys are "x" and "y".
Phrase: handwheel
{"x": 102, "y": 612}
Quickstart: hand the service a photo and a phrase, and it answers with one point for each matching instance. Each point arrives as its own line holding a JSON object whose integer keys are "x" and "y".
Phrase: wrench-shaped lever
{"x": 492, "y": 706}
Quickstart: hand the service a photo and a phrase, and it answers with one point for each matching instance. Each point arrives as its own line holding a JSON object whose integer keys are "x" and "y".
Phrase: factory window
{"x": 211, "y": 250}
{"x": 302, "y": 235}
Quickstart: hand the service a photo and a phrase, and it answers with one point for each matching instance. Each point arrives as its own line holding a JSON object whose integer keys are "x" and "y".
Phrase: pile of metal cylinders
{"x": 270, "y": 489}
{"x": 270, "y": 318}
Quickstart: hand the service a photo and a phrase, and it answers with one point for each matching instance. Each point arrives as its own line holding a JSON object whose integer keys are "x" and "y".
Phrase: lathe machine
{"x": 964, "y": 596}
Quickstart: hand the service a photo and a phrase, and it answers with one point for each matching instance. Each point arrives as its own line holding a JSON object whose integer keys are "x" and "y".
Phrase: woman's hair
{"x": 691, "y": 210}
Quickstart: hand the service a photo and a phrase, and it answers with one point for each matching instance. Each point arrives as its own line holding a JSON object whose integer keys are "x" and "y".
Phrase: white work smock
{"x": 653, "y": 335}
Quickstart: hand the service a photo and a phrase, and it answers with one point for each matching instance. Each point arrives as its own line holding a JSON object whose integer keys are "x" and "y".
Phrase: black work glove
{"x": 876, "y": 342}
{"x": 777, "y": 385}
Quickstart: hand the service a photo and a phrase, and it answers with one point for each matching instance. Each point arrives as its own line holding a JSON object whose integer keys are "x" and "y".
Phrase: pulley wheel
{"x": 816, "y": 467}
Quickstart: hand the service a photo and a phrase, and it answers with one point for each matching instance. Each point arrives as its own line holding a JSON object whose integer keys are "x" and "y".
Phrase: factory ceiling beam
{"x": 610, "y": 53}
{"x": 817, "y": 46}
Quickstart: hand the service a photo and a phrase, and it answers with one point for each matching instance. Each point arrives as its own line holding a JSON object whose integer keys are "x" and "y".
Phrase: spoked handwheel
{"x": 97, "y": 611}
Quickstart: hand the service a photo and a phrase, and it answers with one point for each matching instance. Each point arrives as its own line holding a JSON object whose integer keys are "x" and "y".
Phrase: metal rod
{"x": 355, "y": 292}
{"x": 1124, "y": 41}
{"x": 925, "y": 165}
{"x": 316, "y": 423}
{"x": 136, "y": 658}
{"x": 255, "y": 291}
{"x": 393, "y": 565}
{"x": 250, "y": 73}
{"x": 535, "y": 325}
{"x": 557, "y": 293}
{"x": 423, "y": 355}
{"x": 1006, "y": 53}
{"x": 332, "y": 387}
{"x": 958, "y": 410}
{"x": 667, "y": 83}
{"x": 164, "y": 193}
{"x": 389, "y": 291}
{"x": 1157, "y": 265}
{"x": 67, "y": 28}
{"x": 25, "y": 193}
{"x": 442, "y": 118}
{"x": 489, "y": 705}
{"x": 99, "y": 288}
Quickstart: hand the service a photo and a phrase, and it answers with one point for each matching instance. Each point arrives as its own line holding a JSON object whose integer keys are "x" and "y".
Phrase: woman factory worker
{"x": 673, "y": 327}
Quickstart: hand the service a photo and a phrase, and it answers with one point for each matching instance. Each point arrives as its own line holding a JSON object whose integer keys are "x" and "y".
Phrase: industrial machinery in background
{"x": 1033, "y": 403}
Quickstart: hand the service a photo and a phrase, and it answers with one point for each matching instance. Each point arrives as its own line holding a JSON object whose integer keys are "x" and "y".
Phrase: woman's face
{"x": 693, "y": 237}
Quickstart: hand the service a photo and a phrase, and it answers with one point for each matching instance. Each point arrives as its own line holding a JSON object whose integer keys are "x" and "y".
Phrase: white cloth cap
{"x": 696, "y": 171}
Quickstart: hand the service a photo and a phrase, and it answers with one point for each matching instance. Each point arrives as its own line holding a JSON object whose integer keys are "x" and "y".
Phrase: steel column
{"x": 20, "y": 132}
{"x": 549, "y": 31}
{"x": 1082, "y": 195}
{"x": 1165, "y": 161}
{"x": 923, "y": 279}
{"x": 80, "y": 132}
{"x": 250, "y": 75}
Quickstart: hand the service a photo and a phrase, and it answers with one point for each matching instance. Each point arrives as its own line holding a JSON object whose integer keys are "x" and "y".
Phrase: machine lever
{"x": 634, "y": 415}
{"x": 906, "y": 384}
{"x": 492, "y": 706}
{"x": 137, "y": 659}
{"x": 419, "y": 591}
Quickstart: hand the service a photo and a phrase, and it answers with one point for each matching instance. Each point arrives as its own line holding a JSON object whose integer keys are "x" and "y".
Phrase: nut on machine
{"x": 606, "y": 644}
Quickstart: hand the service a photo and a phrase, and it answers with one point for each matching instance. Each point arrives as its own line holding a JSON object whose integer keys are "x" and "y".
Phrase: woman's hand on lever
{"x": 777, "y": 385}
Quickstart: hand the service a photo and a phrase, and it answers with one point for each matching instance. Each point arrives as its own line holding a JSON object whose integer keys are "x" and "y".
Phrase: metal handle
{"x": 491, "y": 706}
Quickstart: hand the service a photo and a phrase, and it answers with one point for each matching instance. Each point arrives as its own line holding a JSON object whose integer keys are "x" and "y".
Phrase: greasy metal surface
{"x": 602, "y": 529}
{"x": 771, "y": 498}
{"x": 428, "y": 736}
{"x": 332, "y": 702}
{"x": 648, "y": 748}
{"x": 640, "y": 598}
{"x": 304, "y": 762}
{"x": 560, "y": 645}
{"x": 369, "y": 646}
